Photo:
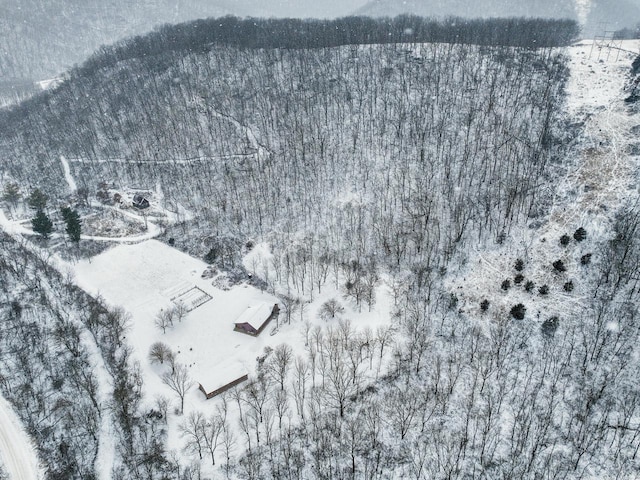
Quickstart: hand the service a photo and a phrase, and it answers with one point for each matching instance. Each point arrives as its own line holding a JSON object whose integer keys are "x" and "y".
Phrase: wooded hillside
{"x": 396, "y": 149}
{"x": 364, "y": 158}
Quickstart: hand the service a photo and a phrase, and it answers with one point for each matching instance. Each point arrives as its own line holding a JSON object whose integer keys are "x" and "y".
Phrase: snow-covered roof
{"x": 256, "y": 315}
{"x": 221, "y": 375}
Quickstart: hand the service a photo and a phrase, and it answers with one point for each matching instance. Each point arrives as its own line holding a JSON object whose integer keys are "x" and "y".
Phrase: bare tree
{"x": 162, "y": 404}
{"x": 179, "y": 311}
{"x": 330, "y": 309}
{"x": 164, "y": 319}
{"x": 279, "y": 364}
{"x": 159, "y": 352}
{"x": 228, "y": 444}
{"x": 299, "y": 381}
{"x": 211, "y": 431}
{"x": 291, "y": 305}
{"x": 193, "y": 430}
{"x": 339, "y": 382}
{"x": 179, "y": 381}
{"x": 401, "y": 407}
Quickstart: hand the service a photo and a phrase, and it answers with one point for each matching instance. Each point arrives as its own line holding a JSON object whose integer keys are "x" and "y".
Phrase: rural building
{"x": 225, "y": 377}
{"x": 245, "y": 328}
{"x": 255, "y": 319}
{"x": 139, "y": 201}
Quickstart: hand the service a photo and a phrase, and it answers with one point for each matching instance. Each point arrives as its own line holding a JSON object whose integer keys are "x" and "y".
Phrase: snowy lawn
{"x": 143, "y": 279}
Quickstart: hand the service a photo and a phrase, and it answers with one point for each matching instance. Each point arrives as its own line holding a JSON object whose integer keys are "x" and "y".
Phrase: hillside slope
{"x": 290, "y": 135}
{"x": 42, "y": 39}
{"x": 595, "y": 192}
{"x": 385, "y": 193}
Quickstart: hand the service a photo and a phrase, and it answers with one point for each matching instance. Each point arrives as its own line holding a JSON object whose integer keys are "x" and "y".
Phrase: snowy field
{"x": 149, "y": 276}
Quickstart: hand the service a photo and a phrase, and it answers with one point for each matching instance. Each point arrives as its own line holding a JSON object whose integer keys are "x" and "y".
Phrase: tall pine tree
{"x": 37, "y": 200}
{"x": 74, "y": 227}
{"x": 42, "y": 224}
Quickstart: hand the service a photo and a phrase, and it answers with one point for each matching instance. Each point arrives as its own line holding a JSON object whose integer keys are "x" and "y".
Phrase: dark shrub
{"x": 564, "y": 240}
{"x": 16, "y": 309}
{"x": 568, "y": 287}
{"x": 580, "y": 234}
{"x": 453, "y": 301}
{"x": 543, "y": 290}
{"x": 211, "y": 256}
{"x": 484, "y": 305}
{"x": 506, "y": 285}
{"x": 558, "y": 265}
{"x": 518, "y": 311}
{"x": 550, "y": 326}
{"x": 519, "y": 265}
{"x": 518, "y": 279}
{"x": 529, "y": 286}
{"x": 585, "y": 259}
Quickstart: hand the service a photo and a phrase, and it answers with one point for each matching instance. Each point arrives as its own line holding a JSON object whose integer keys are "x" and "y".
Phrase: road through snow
{"x": 67, "y": 175}
{"x": 16, "y": 450}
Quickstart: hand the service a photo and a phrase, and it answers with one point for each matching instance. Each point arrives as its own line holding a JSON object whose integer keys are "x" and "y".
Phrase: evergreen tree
{"x": 11, "y": 193}
{"x": 66, "y": 212}
{"x": 42, "y": 224}
{"x": 72, "y": 220}
{"x": 37, "y": 200}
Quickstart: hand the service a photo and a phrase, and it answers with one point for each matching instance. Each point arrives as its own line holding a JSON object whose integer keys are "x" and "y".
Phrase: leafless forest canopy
{"x": 352, "y": 162}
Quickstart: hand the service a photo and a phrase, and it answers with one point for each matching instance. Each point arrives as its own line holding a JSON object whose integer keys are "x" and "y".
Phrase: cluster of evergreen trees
{"x": 42, "y": 223}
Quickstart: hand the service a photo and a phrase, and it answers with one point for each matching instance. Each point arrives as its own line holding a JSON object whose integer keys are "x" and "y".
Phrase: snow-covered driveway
{"x": 17, "y": 452}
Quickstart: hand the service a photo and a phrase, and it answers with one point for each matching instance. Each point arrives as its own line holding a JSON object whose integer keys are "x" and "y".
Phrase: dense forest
{"x": 358, "y": 150}
{"x": 257, "y": 140}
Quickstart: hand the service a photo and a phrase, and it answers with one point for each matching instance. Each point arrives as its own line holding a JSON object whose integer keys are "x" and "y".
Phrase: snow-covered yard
{"x": 143, "y": 279}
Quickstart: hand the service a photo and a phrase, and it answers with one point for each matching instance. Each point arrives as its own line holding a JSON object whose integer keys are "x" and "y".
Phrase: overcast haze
{"x": 42, "y": 39}
{"x": 313, "y": 8}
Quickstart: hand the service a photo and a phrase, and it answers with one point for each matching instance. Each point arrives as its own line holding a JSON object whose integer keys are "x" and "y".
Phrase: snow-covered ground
{"x": 598, "y": 179}
{"x": 16, "y": 450}
{"x": 107, "y": 438}
{"x": 144, "y": 278}
{"x": 147, "y": 226}
{"x": 67, "y": 175}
